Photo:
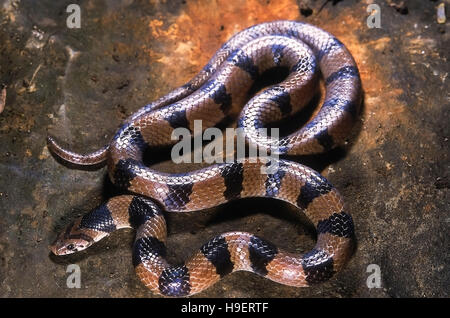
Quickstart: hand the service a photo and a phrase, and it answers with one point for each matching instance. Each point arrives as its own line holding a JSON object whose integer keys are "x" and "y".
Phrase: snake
{"x": 311, "y": 57}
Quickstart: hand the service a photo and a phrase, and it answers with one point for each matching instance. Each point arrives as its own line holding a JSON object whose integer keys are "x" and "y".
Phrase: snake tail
{"x": 95, "y": 158}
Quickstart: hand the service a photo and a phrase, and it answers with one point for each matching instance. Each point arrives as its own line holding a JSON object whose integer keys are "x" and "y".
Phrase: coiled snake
{"x": 219, "y": 87}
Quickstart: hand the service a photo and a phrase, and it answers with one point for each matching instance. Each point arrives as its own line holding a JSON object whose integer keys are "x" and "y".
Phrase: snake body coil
{"x": 221, "y": 87}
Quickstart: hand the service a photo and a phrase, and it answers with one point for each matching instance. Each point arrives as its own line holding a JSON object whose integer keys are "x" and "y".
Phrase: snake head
{"x": 72, "y": 240}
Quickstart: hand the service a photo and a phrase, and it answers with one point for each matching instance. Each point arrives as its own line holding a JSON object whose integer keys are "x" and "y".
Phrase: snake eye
{"x": 70, "y": 247}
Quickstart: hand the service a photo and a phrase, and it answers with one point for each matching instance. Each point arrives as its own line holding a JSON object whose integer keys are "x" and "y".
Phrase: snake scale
{"x": 222, "y": 85}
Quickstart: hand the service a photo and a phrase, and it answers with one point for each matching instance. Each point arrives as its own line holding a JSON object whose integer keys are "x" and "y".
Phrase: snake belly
{"x": 221, "y": 87}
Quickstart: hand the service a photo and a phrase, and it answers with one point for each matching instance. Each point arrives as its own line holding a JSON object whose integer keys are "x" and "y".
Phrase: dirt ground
{"x": 79, "y": 84}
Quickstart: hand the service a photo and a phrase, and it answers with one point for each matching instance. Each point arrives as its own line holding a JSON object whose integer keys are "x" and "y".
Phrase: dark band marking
{"x": 99, "y": 219}
{"x": 82, "y": 236}
{"x": 69, "y": 236}
{"x": 283, "y": 146}
{"x": 261, "y": 253}
{"x": 314, "y": 187}
{"x": 350, "y": 107}
{"x": 178, "y": 119}
{"x": 131, "y": 135}
{"x": 216, "y": 251}
{"x": 333, "y": 45}
{"x": 324, "y": 139}
{"x": 318, "y": 266}
{"x": 178, "y": 196}
{"x": 339, "y": 224}
{"x": 281, "y": 98}
{"x": 282, "y": 150}
{"x": 207, "y": 68}
{"x": 140, "y": 211}
{"x": 222, "y": 98}
{"x": 124, "y": 173}
{"x": 297, "y": 66}
{"x": 292, "y": 33}
{"x": 257, "y": 123}
{"x": 242, "y": 122}
{"x": 218, "y": 93}
{"x": 233, "y": 176}
{"x": 273, "y": 182}
{"x": 244, "y": 62}
{"x": 344, "y": 72}
{"x": 346, "y": 105}
{"x": 146, "y": 249}
{"x": 174, "y": 281}
{"x": 277, "y": 51}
